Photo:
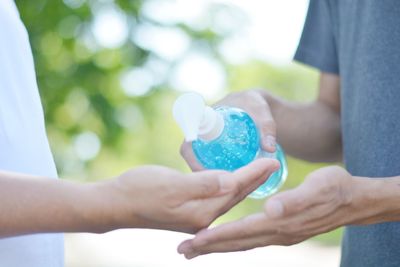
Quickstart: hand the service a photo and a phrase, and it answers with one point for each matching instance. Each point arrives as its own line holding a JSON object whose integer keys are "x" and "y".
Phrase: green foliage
{"x": 80, "y": 86}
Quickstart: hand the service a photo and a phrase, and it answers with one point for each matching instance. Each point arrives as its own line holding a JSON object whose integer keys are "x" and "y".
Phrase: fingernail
{"x": 274, "y": 208}
{"x": 185, "y": 247}
{"x": 270, "y": 143}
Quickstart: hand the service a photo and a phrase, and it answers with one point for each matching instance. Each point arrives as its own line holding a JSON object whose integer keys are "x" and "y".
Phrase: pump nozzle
{"x": 196, "y": 119}
{"x": 188, "y": 112}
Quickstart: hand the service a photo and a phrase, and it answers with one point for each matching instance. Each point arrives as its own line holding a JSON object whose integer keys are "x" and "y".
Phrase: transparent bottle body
{"x": 237, "y": 146}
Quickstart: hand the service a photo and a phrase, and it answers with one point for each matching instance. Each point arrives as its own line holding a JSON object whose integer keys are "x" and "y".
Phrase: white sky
{"x": 270, "y": 30}
{"x": 264, "y": 29}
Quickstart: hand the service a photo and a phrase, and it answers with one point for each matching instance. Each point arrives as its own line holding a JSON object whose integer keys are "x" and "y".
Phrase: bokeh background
{"x": 108, "y": 73}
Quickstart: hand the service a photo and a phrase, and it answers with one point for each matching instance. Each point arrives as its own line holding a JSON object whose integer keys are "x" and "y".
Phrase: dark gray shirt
{"x": 360, "y": 41}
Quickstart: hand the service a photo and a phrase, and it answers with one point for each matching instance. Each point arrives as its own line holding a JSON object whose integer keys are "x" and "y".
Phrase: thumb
{"x": 267, "y": 126}
{"x": 249, "y": 177}
{"x": 268, "y": 134}
{"x": 287, "y": 203}
{"x": 212, "y": 183}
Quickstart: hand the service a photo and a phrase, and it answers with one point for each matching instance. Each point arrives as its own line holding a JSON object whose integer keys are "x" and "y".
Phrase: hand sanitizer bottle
{"x": 225, "y": 138}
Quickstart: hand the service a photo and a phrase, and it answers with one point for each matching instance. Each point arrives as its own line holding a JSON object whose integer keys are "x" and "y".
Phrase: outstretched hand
{"x": 322, "y": 203}
{"x": 162, "y": 198}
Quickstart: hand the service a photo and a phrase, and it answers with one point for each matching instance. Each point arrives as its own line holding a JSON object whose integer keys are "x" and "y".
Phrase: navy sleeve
{"x": 317, "y": 46}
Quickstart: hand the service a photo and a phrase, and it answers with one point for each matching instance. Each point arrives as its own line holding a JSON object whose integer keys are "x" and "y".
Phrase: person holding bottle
{"x": 35, "y": 207}
{"x": 354, "y": 119}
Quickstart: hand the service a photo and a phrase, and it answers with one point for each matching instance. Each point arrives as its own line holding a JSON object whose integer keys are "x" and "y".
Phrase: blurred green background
{"x": 107, "y": 98}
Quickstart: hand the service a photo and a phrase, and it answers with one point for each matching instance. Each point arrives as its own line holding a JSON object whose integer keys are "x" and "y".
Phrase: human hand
{"x": 162, "y": 198}
{"x": 257, "y": 107}
{"x": 324, "y": 201}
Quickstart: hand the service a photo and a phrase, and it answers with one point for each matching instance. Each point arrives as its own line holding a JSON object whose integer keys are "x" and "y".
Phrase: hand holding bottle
{"x": 226, "y": 138}
{"x": 257, "y": 107}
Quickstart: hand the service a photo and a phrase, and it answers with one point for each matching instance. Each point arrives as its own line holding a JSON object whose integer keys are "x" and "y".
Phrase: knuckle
{"x": 252, "y": 94}
{"x": 209, "y": 186}
{"x": 268, "y": 125}
{"x": 331, "y": 185}
{"x": 346, "y": 199}
{"x": 328, "y": 188}
{"x": 237, "y": 187}
{"x": 256, "y": 95}
{"x": 345, "y": 196}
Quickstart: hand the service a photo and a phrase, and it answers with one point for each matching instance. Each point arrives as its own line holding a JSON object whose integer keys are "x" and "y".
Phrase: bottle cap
{"x": 196, "y": 119}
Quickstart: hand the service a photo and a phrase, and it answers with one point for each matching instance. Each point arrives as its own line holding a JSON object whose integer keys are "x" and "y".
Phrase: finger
{"x": 233, "y": 187}
{"x": 249, "y": 177}
{"x": 255, "y": 104}
{"x": 266, "y": 125}
{"x": 215, "y": 192}
{"x": 290, "y": 202}
{"x": 203, "y": 184}
{"x": 232, "y": 241}
{"x": 264, "y": 120}
{"x": 185, "y": 246}
{"x": 267, "y": 128}
{"x": 319, "y": 219}
{"x": 248, "y": 226}
{"x": 231, "y": 246}
{"x": 236, "y": 186}
{"x": 225, "y": 237}
{"x": 187, "y": 153}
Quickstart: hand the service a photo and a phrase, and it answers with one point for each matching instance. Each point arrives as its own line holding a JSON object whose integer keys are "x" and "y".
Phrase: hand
{"x": 322, "y": 203}
{"x": 162, "y": 198}
{"x": 257, "y": 107}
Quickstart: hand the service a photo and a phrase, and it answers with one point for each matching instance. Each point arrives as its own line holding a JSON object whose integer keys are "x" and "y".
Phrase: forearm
{"x": 310, "y": 131}
{"x": 37, "y": 204}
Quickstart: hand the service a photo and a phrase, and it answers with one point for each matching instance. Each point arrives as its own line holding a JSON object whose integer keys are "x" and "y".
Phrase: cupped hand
{"x": 322, "y": 203}
{"x": 253, "y": 102}
{"x": 162, "y": 198}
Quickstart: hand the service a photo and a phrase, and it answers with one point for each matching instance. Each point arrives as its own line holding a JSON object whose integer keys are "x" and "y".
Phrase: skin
{"x": 328, "y": 198}
{"x": 145, "y": 197}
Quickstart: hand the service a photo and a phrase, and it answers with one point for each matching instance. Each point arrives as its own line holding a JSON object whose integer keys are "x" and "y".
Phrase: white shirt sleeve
{"x": 23, "y": 142}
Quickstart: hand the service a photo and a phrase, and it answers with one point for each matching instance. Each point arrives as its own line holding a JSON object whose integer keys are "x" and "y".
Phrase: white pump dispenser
{"x": 196, "y": 119}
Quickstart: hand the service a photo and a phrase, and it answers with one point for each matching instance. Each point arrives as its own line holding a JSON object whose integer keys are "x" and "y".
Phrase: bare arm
{"x": 329, "y": 198}
{"x": 145, "y": 197}
{"x": 310, "y": 131}
{"x": 37, "y": 204}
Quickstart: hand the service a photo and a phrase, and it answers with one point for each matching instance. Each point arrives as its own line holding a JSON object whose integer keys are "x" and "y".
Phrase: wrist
{"x": 375, "y": 200}
{"x": 104, "y": 208}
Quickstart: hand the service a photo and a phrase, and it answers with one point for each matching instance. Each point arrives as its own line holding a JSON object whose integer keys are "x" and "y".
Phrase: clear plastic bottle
{"x": 226, "y": 138}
